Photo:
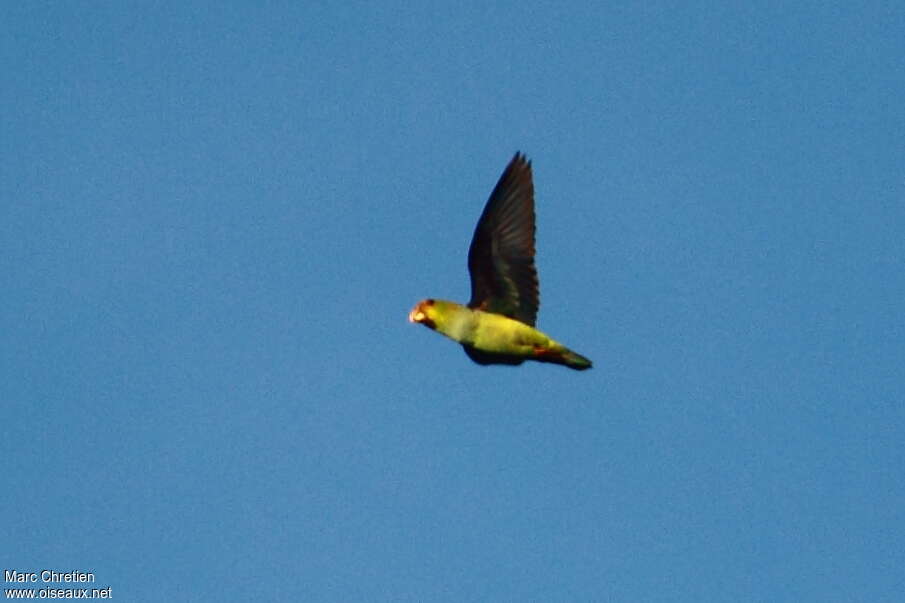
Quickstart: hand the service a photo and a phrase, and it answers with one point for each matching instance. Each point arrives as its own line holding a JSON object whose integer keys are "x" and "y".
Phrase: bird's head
{"x": 424, "y": 312}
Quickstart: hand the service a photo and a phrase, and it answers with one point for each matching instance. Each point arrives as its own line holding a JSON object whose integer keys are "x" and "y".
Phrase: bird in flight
{"x": 497, "y": 325}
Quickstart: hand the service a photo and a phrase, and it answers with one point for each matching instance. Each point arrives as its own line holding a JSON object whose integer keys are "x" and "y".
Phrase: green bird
{"x": 497, "y": 325}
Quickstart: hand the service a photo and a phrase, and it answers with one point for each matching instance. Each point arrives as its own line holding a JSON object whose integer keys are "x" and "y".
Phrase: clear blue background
{"x": 215, "y": 219}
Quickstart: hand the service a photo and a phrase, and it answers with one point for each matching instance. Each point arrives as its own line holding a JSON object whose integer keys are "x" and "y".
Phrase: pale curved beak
{"x": 416, "y": 315}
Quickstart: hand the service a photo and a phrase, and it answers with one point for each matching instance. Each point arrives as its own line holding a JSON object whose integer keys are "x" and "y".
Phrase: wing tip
{"x": 520, "y": 159}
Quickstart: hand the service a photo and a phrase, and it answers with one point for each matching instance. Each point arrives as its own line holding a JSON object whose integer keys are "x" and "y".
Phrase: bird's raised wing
{"x": 501, "y": 256}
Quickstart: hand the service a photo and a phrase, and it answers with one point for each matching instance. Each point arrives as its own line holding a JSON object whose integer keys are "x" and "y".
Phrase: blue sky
{"x": 215, "y": 219}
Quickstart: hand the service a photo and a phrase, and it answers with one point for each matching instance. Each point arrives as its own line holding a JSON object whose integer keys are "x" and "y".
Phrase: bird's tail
{"x": 575, "y": 360}
{"x": 560, "y": 354}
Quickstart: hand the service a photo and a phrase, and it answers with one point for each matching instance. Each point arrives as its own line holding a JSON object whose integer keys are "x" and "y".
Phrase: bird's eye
{"x": 429, "y": 302}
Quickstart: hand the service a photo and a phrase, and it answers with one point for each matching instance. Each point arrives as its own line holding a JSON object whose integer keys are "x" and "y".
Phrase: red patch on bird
{"x": 546, "y": 353}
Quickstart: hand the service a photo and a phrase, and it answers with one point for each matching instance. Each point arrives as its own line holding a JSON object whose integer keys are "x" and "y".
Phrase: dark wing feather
{"x": 486, "y": 358}
{"x": 501, "y": 257}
